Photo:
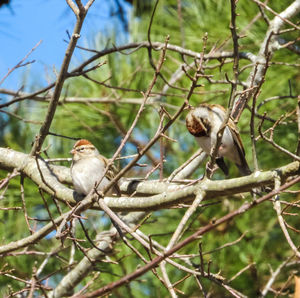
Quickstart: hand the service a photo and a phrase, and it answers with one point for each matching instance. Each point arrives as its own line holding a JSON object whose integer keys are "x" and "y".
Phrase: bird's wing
{"x": 243, "y": 166}
{"x": 111, "y": 173}
{"x": 236, "y": 136}
{"x": 222, "y": 165}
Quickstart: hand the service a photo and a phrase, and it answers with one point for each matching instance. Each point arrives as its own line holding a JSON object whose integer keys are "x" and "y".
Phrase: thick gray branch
{"x": 164, "y": 195}
{"x": 268, "y": 46}
{"x": 270, "y": 43}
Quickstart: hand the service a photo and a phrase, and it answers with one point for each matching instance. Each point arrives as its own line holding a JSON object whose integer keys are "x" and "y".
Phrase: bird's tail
{"x": 244, "y": 169}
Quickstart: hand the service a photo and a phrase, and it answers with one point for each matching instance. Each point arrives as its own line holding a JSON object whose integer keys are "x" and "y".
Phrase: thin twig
{"x": 21, "y": 64}
{"x": 80, "y": 16}
{"x": 281, "y": 221}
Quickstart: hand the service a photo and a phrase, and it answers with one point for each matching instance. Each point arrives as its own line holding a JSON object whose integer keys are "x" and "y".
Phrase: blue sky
{"x": 25, "y": 23}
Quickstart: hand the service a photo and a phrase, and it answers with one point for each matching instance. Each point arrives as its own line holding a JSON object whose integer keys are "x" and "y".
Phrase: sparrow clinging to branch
{"x": 204, "y": 122}
{"x": 88, "y": 168}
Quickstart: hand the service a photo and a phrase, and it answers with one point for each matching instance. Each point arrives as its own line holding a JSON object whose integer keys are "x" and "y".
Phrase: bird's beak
{"x": 72, "y": 151}
{"x": 189, "y": 107}
{"x": 202, "y": 124}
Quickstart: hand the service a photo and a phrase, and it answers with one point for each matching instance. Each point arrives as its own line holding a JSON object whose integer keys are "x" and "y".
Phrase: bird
{"x": 88, "y": 167}
{"x": 204, "y": 122}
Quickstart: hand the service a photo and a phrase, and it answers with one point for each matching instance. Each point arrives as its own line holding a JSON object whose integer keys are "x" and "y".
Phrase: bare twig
{"x": 274, "y": 275}
{"x": 21, "y": 63}
{"x": 240, "y": 272}
{"x": 80, "y": 13}
{"x": 188, "y": 167}
{"x": 281, "y": 221}
{"x": 271, "y": 141}
{"x": 185, "y": 218}
{"x": 298, "y": 121}
{"x": 282, "y": 18}
{"x": 24, "y": 204}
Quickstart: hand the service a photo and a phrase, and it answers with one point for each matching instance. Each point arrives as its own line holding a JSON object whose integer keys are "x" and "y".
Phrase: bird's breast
{"x": 86, "y": 173}
{"x": 205, "y": 143}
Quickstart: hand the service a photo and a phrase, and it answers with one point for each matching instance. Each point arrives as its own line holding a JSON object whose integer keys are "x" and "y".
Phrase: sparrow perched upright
{"x": 88, "y": 167}
{"x": 204, "y": 122}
